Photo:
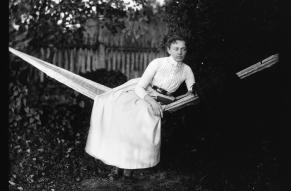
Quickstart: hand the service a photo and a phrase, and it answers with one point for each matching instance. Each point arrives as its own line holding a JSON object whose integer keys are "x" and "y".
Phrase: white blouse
{"x": 165, "y": 73}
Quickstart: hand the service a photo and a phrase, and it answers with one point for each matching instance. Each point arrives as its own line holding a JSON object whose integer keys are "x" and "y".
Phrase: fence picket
{"x": 132, "y": 61}
{"x": 118, "y": 60}
{"x": 88, "y": 61}
{"x": 123, "y": 65}
{"x": 102, "y": 56}
{"x": 66, "y": 59}
{"x": 79, "y": 63}
{"x": 59, "y": 56}
{"x": 72, "y": 60}
{"x": 114, "y": 60}
{"x": 94, "y": 60}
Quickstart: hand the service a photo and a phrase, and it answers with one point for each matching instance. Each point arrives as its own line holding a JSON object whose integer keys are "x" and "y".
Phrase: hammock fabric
{"x": 92, "y": 89}
{"x": 80, "y": 84}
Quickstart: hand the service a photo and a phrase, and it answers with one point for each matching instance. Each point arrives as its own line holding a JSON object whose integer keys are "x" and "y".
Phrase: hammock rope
{"x": 92, "y": 89}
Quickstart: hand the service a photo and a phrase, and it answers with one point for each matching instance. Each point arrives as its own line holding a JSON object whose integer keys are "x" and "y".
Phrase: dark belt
{"x": 161, "y": 91}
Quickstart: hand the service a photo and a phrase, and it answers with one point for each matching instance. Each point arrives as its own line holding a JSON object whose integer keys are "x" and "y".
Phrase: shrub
{"x": 48, "y": 124}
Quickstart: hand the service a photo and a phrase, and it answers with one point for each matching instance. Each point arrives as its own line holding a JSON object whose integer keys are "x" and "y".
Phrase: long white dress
{"x": 123, "y": 130}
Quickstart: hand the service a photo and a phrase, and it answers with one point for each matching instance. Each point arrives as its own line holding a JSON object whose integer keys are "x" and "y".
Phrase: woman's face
{"x": 178, "y": 50}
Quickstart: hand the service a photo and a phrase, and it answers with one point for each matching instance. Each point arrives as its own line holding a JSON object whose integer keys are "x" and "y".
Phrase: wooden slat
{"x": 127, "y": 63}
{"x": 123, "y": 63}
{"x": 114, "y": 65}
{"x": 71, "y": 68}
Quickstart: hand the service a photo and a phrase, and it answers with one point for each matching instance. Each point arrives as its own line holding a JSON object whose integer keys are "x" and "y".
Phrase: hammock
{"x": 92, "y": 89}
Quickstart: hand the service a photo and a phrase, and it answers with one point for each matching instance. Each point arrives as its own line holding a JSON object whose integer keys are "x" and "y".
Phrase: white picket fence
{"x": 130, "y": 61}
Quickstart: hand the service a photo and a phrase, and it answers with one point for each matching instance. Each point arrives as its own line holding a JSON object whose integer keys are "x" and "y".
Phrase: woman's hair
{"x": 173, "y": 38}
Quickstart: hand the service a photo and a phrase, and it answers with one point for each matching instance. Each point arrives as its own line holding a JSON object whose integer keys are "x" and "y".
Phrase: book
{"x": 164, "y": 100}
{"x": 185, "y": 100}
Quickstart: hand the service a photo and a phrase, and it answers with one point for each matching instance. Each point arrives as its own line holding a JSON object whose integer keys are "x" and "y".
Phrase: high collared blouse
{"x": 165, "y": 73}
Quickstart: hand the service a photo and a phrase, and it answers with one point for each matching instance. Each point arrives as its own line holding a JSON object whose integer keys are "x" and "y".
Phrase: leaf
{"x": 26, "y": 109}
{"x": 22, "y": 45}
{"x": 12, "y": 183}
{"x": 31, "y": 120}
{"x": 21, "y": 36}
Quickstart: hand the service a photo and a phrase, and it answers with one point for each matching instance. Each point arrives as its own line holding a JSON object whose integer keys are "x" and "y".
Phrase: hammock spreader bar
{"x": 266, "y": 63}
{"x": 91, "y": 89}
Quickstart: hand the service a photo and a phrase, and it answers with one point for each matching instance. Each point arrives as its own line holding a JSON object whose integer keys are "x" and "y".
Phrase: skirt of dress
{"x": 123, "y": 130}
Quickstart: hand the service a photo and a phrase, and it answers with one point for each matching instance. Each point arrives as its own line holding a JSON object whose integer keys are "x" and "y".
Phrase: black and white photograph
{"x": 146, "y": 95}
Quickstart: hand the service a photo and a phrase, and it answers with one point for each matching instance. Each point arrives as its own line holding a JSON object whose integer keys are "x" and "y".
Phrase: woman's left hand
{"x": 189, "y": 93}
{"x": 156, "y": 107}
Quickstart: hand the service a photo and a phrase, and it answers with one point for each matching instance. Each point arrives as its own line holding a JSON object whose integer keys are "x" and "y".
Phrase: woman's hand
{"x": 184, "y": 95}
{"x": 156, "y": 107}
{"x": 189, "y": 93}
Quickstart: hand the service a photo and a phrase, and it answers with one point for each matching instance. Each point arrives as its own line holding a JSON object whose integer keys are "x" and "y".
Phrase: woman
{"x": 126, "y": 122}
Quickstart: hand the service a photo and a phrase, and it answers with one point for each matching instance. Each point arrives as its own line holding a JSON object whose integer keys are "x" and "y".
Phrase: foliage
{"x": 62, "y": 23}
{"x": 47, "y": 22}
{"x": 132, "y": 28}
{"x": 233, "y": 33}
{"x": 145, "y": 25}
{"x": 47, "y": 133}
{"x": 31, "y": 139}
{"x": 107, "y": 78}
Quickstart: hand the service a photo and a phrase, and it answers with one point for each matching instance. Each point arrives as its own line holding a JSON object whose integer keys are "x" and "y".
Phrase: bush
{"x": 48, "y": 124}
{"x": 107, "y": 78}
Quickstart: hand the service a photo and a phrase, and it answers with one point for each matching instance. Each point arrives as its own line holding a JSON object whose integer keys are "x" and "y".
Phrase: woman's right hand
{"x": 156, "y": 107}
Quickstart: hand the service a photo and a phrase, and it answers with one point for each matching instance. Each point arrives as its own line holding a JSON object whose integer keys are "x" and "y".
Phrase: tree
{"x": 241, "y": 31}
{"x": 52, "y": 23}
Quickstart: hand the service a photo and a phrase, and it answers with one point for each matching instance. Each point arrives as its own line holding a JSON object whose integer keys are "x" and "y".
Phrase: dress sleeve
{"x": 190, "y": 80}
{"x": 146, "y": 79}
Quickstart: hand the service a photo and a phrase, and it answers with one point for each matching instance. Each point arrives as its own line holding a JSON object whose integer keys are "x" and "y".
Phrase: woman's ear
{"x": 168, "y": 50}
